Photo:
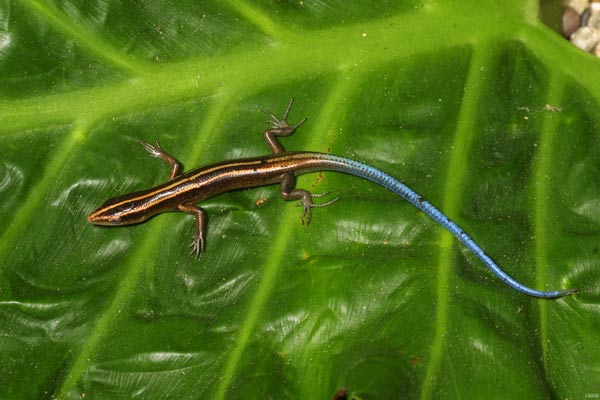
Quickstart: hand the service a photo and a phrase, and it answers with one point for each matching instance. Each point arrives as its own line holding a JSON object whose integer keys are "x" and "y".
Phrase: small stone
{"x": 585, "y": 38}
{"x": 570, "y": 22}
{"x": 585, "y": 15}
{"x": 578, "y": 5}
{"x": 594, "y": 20}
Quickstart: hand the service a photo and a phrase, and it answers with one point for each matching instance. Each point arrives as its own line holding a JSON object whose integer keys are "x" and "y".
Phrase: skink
{"x": 182, "y": 190}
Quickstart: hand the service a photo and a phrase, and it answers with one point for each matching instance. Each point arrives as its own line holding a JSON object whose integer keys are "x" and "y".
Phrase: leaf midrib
{"x": 167, "y": 83}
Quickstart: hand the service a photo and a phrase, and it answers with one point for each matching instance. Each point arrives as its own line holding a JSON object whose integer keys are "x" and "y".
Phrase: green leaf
{"x": 479, "y": 107}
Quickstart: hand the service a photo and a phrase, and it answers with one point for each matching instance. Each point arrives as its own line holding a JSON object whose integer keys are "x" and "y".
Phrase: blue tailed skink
{"x": 182, "y": 190}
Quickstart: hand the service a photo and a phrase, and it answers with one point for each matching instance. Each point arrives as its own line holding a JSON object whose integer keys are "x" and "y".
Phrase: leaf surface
{"x": 481, "y": 109}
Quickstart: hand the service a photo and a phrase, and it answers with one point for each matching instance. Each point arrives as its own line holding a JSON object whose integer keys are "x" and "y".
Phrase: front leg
{"x": 288, "y": 192}
{"x": 157, "y": 151}
{"x": 280, "y": 128}
{"x": 198, "y": 244}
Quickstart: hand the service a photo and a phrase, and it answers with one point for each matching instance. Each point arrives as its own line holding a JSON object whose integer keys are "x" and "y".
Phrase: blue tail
{"x": 356, "y": 168}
